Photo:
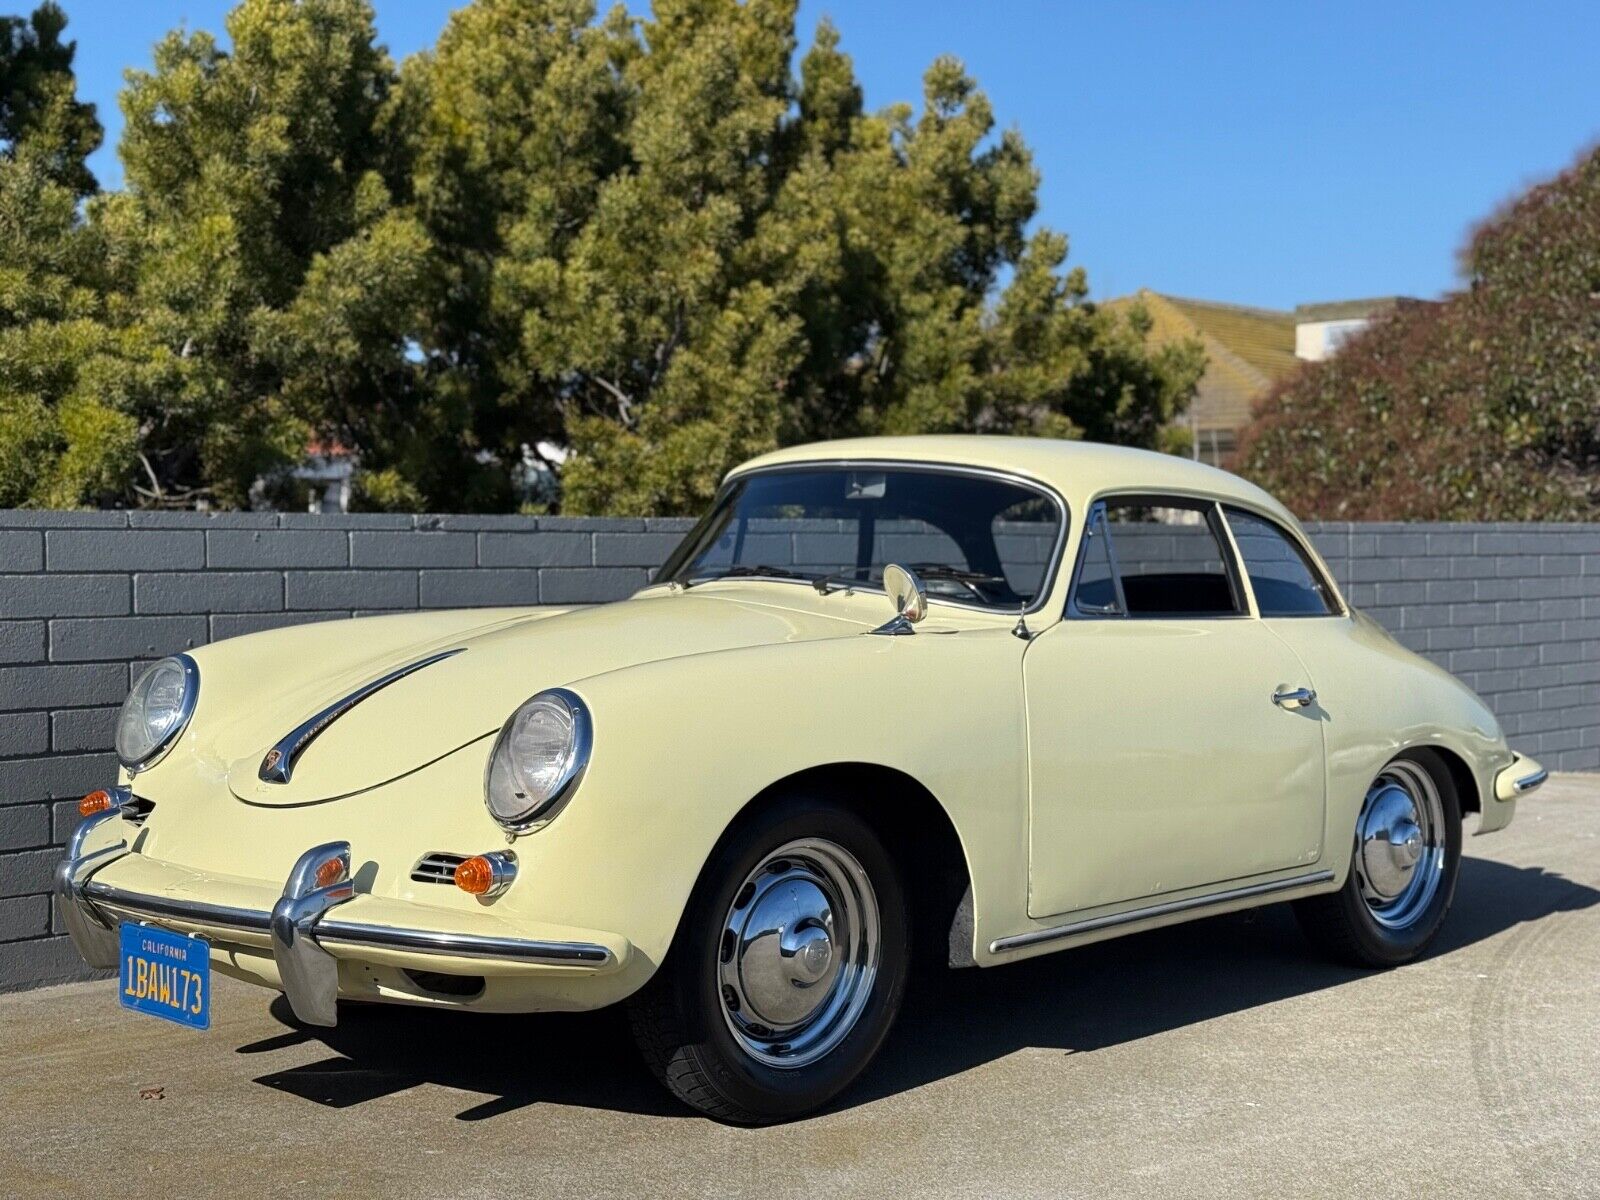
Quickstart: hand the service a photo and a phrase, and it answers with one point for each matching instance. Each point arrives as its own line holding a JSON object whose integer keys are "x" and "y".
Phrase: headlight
{"x": 537, "y": 760}
{"x": 156, "y": 710}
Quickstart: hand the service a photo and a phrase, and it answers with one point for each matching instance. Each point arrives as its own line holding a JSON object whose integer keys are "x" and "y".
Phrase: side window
{"x": 1095, "y": 593}
{"x": 1149, "y": 558}
{"x": 1025, "y": 536}
{"x": 1284, "y": 582}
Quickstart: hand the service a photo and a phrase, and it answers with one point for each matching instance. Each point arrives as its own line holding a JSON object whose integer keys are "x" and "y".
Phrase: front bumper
{"x": 306, "y": 940}
{"x": 1521, "y": 777}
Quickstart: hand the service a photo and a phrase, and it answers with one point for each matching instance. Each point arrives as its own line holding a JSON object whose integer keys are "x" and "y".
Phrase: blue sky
{"x": 1264, "y": 153}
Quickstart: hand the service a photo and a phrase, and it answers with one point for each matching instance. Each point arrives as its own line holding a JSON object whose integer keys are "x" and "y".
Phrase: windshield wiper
{"x": 754, "y": 570}
{"x": 824, "y": 583}
{"x": 957, "y": 574}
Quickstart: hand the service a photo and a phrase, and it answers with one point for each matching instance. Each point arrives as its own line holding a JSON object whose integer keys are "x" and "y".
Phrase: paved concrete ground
{"x": 1217, "y": 1059}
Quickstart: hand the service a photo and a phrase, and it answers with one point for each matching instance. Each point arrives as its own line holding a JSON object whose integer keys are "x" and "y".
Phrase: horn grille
{"x": 439, "y": 866}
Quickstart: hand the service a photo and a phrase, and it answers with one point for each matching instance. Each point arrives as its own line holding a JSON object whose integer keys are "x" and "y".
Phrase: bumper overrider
{"x": 306, "y": 938}
{"x": 1524, "y": 775}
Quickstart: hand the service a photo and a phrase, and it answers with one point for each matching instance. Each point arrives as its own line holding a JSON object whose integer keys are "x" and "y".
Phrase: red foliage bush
{"x": 1483, "y": 407}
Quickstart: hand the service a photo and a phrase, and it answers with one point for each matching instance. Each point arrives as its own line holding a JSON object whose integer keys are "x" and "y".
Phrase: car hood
{"x": 258, "y": 690}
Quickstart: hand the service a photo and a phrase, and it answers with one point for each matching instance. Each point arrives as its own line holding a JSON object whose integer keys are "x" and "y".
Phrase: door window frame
{"x": 1329, "y": 593}
{"x": 1216, "y": 522}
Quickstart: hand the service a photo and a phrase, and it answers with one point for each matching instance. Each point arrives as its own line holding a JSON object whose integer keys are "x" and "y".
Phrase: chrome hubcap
{"x": 1400, "y": 845}
{"x": 799, "y": 953}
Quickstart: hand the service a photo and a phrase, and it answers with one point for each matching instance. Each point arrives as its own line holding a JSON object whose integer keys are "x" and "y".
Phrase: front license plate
{"x": 166, "y": 975}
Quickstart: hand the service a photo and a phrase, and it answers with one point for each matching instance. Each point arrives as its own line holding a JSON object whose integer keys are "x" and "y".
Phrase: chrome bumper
{"x": 1524, "y": 775}
{"x": 298, "y": 925}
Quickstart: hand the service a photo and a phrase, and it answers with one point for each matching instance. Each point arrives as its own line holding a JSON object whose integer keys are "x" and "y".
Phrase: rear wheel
{"x": 1403, "y": 870}
{"x": 787, "y": 971}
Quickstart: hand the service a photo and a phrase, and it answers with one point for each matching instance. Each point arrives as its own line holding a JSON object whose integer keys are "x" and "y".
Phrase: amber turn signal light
{"x": 485, "y": 875}
{"x": 475, "y": 876}
{"x": 94, "y": 802}
{"x": 330, "y": 872}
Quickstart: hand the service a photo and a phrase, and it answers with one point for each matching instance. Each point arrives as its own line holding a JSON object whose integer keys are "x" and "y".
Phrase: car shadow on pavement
{"x": 1077, "y": 1002}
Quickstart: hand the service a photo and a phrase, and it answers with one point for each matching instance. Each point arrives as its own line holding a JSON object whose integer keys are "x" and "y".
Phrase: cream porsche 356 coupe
{"x": 976, "y": 699}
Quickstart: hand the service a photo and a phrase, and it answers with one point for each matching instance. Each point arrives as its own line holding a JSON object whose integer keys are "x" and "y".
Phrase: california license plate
{"x": 166, "y": 975}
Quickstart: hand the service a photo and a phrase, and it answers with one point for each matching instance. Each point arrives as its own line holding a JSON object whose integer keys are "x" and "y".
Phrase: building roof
{"x": 1078, "y": 470}
{"x": 1247, "y": 351}
{"x": 1348, "y": 310}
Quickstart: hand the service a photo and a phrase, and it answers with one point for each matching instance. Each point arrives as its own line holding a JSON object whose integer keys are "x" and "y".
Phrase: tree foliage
{"x": 38, "y": 103}
{"x": 654, "y": 241}
{"x": 1483, "y": 407}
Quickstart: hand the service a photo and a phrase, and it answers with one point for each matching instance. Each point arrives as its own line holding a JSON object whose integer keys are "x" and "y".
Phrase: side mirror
{"x": 908, "y": 598}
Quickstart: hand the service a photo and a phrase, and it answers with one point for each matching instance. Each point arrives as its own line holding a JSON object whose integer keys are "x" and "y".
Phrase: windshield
{"x": 974, "y": 539}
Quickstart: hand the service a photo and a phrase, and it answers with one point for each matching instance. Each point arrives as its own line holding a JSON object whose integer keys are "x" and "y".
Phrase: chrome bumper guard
{"x": 298, "y": 925}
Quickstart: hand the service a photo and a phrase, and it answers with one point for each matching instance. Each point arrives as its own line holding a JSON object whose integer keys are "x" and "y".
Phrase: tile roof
{"x": 1348, "y": 310}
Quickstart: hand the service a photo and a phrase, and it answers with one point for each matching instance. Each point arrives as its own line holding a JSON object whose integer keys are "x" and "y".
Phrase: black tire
{"x": 1342, "y": 924}
{"x": 678, "y": 1018}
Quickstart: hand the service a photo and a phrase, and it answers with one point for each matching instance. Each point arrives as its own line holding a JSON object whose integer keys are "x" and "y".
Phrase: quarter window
{"x": 1155, "y": 558}
{"x": 1282, "y": 578}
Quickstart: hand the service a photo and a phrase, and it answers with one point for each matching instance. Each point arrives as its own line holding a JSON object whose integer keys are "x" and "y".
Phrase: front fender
{"x": 681, "y": 747}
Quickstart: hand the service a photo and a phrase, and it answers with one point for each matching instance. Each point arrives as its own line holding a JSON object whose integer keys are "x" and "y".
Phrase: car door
{"x": 1166, "y": 748}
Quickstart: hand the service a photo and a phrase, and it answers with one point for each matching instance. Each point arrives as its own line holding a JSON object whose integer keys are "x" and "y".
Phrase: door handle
{"x": 1302, "y": 697}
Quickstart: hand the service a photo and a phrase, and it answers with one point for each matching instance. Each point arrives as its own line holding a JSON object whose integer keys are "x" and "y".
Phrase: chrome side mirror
{"x": 908, "y": 597}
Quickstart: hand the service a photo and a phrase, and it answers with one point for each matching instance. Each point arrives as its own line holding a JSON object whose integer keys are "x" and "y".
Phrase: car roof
{"x": 1078, "y": 470}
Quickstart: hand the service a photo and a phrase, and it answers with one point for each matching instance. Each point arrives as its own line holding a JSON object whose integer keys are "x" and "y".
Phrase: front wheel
{"x": 1403, "y": 870}
{"x": 788, "y": 968}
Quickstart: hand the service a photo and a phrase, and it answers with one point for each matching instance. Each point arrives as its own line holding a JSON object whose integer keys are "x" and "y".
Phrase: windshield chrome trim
{"x": 1047, "y": 580}
{"x": 278, "y": 764}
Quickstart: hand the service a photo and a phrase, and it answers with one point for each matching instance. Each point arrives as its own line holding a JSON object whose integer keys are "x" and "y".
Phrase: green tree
{"x": 60, "y": 443}
{"x": 38, "y": 98}
{"x": 1485, "y": 406}
{"x": 671, "y": 250}
{"x": 654, "y": 240}
{"x": 515, "y": 119}
{"x": 269, "y": 276}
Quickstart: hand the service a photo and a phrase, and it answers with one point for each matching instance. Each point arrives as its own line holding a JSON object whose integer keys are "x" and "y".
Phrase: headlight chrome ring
{"x": 172, "y": 684}
{"x": 538, "y": 760}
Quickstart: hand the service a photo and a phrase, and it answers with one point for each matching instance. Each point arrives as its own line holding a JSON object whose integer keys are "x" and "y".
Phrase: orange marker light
{"x": 94, "y": 802}
{"x": 330, "y": 872}
{"x": 475, "y": 876}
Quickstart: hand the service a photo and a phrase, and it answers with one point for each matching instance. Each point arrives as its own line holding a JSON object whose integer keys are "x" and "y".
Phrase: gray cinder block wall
{"x": 87, "y": 599}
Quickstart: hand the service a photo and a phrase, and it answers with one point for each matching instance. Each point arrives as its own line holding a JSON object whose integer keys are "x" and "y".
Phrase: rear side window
{"x": 1283, "y": 580}
{"x": 1154, "y": 559}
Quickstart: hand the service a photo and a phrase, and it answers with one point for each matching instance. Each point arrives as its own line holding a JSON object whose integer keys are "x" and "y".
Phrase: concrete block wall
{"x": 87, "y": 599}
{"x": 1512, "y": 610}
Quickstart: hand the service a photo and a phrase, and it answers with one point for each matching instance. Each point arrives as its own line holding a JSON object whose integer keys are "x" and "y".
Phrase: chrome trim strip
{"x": 1037, "y": 936}
{"x": 461, "y": 945}
{"x": 220, "y": 915}
{"x": 1528, "y": 782}
{"x": 351, "y": 933}
{"x": 279, "y": 762}
{"x": 1047, "y": 581}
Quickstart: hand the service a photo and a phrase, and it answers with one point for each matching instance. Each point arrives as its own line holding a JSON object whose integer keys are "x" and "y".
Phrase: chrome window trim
{"x": 1228, "y": 552}
{"x": 1312, "y": 562}
{"x": 583, "y": 747}
{"x": 1038, "y": 937}
{"x": 1047, "y": 580}
{"x": 191, "y": 698}
{"x": 278, "y": 764}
